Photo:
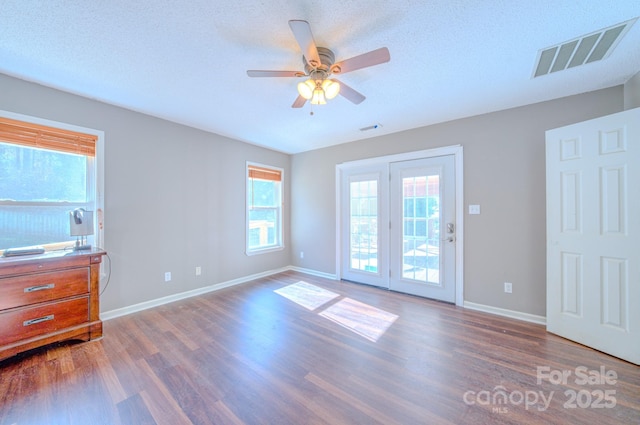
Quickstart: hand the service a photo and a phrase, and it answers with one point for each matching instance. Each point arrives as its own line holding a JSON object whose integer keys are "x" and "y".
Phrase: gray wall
{"x": 632, "y": 92}
{"x": 504, "y": 172}
{"x": 174, "y": 196}
{"x": 188, "y": 188}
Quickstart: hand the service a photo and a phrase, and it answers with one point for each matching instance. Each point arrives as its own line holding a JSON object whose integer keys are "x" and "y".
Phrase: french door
{"x": 365, "y": 228}
{"x": 423, "y": 229}
{"x": 398, "y": 227}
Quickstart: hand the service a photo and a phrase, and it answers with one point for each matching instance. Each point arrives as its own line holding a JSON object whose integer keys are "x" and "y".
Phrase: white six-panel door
{"x": 593, "y": 233}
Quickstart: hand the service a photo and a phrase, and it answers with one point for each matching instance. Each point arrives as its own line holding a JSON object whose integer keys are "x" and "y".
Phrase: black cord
{"x": 108, "y": 275}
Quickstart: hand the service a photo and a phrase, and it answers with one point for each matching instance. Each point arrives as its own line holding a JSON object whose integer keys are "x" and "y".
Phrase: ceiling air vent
{"x": 586, "y": 49}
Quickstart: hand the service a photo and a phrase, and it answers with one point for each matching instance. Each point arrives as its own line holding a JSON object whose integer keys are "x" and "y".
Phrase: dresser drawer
{"x": 25, "y": 323}
{"x": 39, "y": 287}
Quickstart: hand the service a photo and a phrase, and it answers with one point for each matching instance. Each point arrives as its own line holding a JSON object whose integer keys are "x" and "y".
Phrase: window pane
{"x": 38, "y": 188}
{"x": 264, "y": 193}
{"x": 420, "y": 185}
{"x": 27, "y": 225}
{"x": 28, "y": 174}
{"x": 409, "y": 227}
{"x": 408, "y": 207}
{"x": 433, "y": 206}
{"x": 264, "y": 229}
{"x": 355, "y": 207}
{"x": 421, "y": 207}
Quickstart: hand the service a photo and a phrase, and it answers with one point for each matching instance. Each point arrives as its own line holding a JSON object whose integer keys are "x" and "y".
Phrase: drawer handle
{"x": 38, "y": 320}
{"x": 40, "y": 287}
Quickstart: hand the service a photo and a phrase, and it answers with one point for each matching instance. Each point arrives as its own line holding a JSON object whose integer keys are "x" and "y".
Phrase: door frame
{"x": 457, "y": 152}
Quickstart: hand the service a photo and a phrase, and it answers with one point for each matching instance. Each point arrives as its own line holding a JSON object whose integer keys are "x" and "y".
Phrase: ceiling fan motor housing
{"x": 327, "y": 58}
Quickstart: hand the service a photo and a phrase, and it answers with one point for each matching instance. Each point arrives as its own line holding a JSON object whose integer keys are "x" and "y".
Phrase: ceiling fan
{"x": 319, "y": 64}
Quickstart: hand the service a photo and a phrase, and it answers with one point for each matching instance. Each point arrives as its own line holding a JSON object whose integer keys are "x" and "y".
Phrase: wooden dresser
{"x": 49, "y": 298}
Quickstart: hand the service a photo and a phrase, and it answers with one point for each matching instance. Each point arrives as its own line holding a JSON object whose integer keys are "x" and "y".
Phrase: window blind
{"x": 262, "y": 173}
{"x": 43, "y": 137}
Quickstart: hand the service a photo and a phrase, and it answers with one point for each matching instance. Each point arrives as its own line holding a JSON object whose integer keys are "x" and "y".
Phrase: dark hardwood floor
{"x": 248, "y": 355}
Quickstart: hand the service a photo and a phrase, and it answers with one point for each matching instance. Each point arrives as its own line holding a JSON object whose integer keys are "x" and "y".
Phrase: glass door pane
{"x": 364, "y": 226}
{"x": 421, "y": 228}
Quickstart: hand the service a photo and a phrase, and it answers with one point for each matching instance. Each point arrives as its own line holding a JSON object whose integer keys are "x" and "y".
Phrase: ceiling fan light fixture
{"x": 306, "y": 88}
{"x": 318, "y": 91}
{"x": 331, "y": 89}
{"x": 318, "y": 97}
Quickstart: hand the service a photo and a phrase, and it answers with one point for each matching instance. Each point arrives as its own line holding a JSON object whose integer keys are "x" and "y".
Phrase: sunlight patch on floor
{"x": 307, "y": 295}
{"x": 365, "y": 320}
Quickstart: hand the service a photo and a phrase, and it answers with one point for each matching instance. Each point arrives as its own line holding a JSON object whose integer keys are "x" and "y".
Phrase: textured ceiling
{"x": 186, "y": 61}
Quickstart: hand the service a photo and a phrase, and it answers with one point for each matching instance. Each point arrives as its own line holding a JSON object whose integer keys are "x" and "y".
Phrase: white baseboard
{"x": 541, "y": 320}
{"x": 112, "y": 314}
{"x": 313, "y": 272}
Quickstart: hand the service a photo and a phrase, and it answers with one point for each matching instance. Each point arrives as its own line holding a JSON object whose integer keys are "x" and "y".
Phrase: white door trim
{"x": 457, "y": 152}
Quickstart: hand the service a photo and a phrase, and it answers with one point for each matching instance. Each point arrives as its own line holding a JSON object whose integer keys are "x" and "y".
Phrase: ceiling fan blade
{"x": 260, "y": 73}
{"x": 302, "y": 32}
{"x": 349, "y": 93}
{"x": 299, "y": 102}
{"x": 364, "y": 60}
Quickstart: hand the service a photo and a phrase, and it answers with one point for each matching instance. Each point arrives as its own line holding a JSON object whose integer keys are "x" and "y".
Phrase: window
{"x": 45, "y": 172}
{"x": 264, "y": 208}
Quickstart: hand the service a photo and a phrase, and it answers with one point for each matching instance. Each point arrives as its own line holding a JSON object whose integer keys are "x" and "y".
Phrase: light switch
{"x": 474, "y": 209}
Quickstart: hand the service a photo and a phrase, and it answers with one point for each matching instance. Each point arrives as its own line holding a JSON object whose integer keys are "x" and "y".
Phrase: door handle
{"x": 450, "y": 233}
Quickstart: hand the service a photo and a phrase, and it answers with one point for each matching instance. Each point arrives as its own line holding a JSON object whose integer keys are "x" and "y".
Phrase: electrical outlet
{"x": 167, "y": 276}
{"x": 301, "y": 254}
{"x": 508, "y": 287}
{"x": 198, "y": 271}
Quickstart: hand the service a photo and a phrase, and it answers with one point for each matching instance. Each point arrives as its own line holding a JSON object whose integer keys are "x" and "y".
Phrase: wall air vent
{"x": 586, "y": 49}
